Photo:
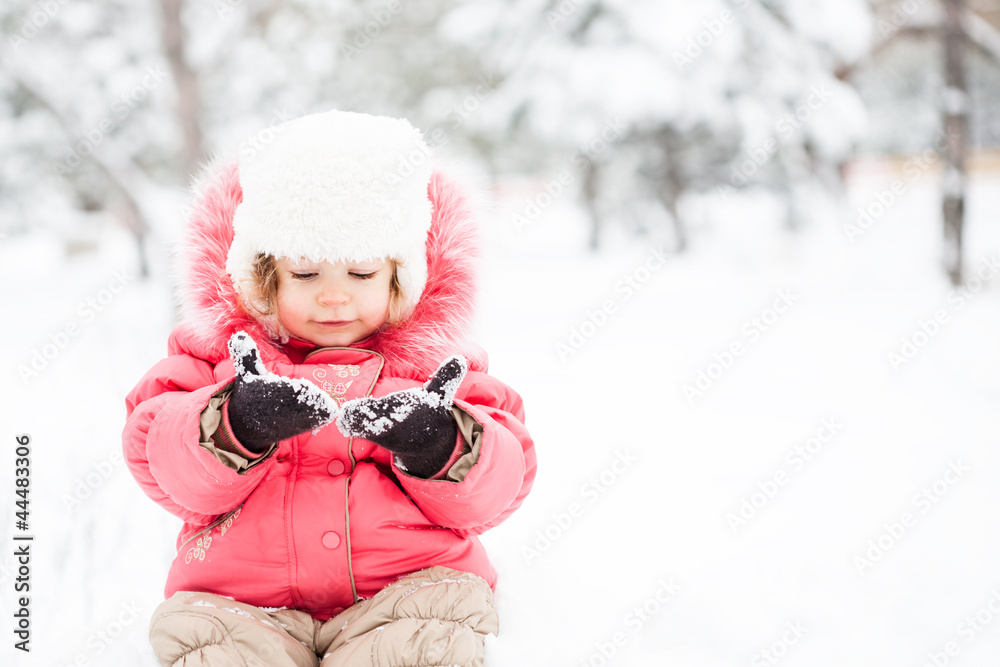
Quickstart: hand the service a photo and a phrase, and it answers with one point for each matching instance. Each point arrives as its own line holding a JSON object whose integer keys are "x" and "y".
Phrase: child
{"x": 331, "y": 442}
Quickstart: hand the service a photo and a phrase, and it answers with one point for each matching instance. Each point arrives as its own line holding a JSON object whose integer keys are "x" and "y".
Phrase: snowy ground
{"x": 869, "y": 534}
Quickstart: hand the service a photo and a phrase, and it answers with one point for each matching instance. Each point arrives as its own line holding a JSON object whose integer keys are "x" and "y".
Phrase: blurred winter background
{"x": 740, "y": 260}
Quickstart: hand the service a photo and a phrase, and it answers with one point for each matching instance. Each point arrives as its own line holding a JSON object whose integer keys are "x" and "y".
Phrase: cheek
{"x": 287, "y": 305}
{"x": 379, "y": 298}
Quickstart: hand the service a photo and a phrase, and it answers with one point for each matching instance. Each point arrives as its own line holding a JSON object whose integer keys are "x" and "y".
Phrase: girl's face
{"x": 333, "y": 305}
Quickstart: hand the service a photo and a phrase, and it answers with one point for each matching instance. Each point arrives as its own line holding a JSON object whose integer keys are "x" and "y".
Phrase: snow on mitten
{"x": 414, "y": 424}
{"x": 265, "y": 408}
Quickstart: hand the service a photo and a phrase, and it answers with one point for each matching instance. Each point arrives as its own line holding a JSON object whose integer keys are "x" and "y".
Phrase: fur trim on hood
{"x": 413, "y": 348}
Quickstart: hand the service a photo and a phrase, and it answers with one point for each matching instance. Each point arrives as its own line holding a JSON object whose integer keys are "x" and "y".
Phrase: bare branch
{"x": 186, "y": 80}
{"x": 126, "y": 177}
{"x": 982, "y": 34}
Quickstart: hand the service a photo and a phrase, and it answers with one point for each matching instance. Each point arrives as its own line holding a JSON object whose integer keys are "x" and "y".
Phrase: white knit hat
{"x": 336, "y": 186}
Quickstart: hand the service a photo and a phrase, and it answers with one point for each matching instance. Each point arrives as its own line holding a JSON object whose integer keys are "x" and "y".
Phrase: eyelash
{"x": 359, "y": 276}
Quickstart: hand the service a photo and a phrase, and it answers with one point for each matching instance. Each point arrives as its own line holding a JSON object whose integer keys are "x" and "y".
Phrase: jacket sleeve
{"x": 498, "y": 472}
{"x": 167, "y": 449}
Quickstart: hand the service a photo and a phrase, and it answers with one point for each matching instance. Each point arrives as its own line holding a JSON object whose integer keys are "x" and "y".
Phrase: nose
{"x": 332, "y": 294}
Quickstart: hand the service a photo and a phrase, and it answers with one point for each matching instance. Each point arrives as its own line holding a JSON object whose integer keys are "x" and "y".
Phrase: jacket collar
{"x": 336, "y": 368}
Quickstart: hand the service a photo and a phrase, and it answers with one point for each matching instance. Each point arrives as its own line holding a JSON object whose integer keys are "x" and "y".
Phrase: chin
{"x": 341, "y": 338}
{"x": 325, "y": 339}
{"x": 336, "y": 341}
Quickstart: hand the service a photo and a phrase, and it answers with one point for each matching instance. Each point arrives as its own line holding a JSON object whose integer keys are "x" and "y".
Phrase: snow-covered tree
{"x": 86, "y": 121}
{"x": 651, "y": 101}
{"x": 109, "y": 108}
{"x": 931, "y": 82}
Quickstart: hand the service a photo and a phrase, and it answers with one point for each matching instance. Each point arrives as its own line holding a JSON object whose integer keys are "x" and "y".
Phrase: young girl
{"x": 331, "y": 441}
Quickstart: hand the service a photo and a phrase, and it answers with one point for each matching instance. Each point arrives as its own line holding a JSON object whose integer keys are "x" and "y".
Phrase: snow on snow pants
{"x": 436, "y": 616}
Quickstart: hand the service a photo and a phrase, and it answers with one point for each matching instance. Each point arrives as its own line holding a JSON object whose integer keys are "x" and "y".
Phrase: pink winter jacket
{"x": 322, "y": 521}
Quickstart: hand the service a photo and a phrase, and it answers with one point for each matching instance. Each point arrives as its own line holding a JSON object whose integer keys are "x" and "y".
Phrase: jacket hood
{"x": 436, "y": 328}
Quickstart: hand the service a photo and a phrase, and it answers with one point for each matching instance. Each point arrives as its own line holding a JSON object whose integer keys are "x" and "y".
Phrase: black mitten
{"x": 414, "y": 424}
{"x": 265, "y": 408}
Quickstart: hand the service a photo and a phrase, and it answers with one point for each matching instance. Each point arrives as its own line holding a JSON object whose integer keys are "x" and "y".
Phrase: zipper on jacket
{"x": 347, "y": 486}
{"x": 347, "y": 517}
{"x": 210, "y": 526}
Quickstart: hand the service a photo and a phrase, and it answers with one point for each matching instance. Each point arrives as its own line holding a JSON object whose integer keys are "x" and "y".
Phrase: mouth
{"x": 334, "y": 323}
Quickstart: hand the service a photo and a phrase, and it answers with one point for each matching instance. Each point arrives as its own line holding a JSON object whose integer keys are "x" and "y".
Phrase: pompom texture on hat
{"x": 336, "y": 186}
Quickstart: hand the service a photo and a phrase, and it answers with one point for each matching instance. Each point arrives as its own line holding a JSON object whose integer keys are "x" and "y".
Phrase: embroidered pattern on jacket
{"x": 200, "y": 548}
{"x": 337, "y": 387}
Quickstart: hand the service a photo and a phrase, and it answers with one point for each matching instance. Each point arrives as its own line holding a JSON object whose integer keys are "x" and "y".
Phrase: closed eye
{"x": 364, "y": 276}
{"x": 302, "y": 276}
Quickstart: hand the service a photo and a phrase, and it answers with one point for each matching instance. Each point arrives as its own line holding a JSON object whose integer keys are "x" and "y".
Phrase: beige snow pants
{"x": 436, "y": 616}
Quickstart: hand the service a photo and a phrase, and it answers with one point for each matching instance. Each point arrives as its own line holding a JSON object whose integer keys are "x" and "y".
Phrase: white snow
{"x": 855, "y": 426}
{"x": 306, "y": 392}
{"x": 445, "y": 396}
{"x": 245, "y": 613}
{"x": 203, "y": 603}
{"x": 624, "y": 543}
{"x": 358, "y": 417}
{"x": 241, "y": 345}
